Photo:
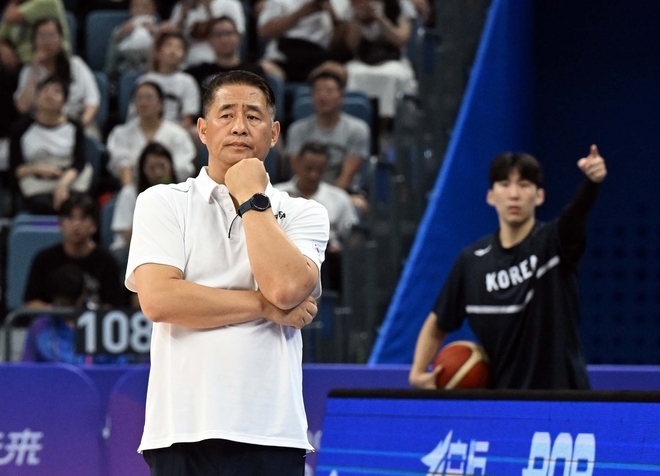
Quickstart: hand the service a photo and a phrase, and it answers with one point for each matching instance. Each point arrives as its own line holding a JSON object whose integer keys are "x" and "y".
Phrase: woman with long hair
{"x": 51, "y": 60}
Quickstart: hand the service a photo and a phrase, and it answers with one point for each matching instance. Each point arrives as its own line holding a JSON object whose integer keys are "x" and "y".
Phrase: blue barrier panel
{"x": 494, "y": 433}
{"x": 50, "y": 421}
{"x": 125, "y": 419}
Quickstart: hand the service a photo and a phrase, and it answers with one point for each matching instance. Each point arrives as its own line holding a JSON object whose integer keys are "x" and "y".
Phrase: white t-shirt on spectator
{"x": 126, "y": 142}
{"x": 122, "y": 218}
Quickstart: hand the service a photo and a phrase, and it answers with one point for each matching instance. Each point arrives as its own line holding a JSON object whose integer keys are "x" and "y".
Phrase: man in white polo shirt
{"x": 227, "y": 268}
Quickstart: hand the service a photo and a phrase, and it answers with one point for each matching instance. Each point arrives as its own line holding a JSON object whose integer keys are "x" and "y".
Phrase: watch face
{"x": 260, "y": 201}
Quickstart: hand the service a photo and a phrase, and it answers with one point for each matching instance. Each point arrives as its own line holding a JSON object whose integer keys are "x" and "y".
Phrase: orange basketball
{"x": 465, "y": 365}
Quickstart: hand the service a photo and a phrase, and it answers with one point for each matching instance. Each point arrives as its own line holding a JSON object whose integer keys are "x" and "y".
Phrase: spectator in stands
{"x": 8, "y": 83}
{"x": 518, "y": 286}
{"x": 131, "y": 43}
{"x": 52, "y": 337}
{"x": 377, "y": 35}
{"x": 347, "y": 138}
{"x": 17, "y": 25}
{"x": 225, "y": 40}
{"x": 155, "y": 166}
{"x": 47, "y": 152}
{"x": 126, "y": 141}
{"x": 303, "y": 34}
{"x": 50, "y": 59}
{"x": 309, "y": 167}
{"x": 192, "y": 18}
{"x": 77, "y": 221}
{"x": 180, "y": 91}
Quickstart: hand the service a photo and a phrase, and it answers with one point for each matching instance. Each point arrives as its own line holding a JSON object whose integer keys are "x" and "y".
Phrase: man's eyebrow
{"x": 251, "y": 107}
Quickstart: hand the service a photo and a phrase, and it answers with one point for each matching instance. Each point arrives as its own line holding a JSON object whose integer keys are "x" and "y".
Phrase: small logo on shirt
{"x": 280, "y": 215}
{"x": 483, "y": 251}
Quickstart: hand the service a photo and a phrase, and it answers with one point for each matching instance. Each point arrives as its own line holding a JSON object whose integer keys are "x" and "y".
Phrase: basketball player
{"x": 518, "y": 286}
{"x": 226, "y": 266}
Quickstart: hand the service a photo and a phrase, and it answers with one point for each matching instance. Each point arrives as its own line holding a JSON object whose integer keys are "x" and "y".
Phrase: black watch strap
{"x": 258, "y": 202}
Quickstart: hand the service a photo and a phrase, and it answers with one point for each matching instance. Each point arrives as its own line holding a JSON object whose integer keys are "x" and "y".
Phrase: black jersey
{"x": 522, "y": 302}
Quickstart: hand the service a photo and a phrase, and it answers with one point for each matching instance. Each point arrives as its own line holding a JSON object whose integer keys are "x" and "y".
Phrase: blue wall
{"x": 554, "y": 79}
{"x": 496, "y": 115}
{"x": 597, "y": 81}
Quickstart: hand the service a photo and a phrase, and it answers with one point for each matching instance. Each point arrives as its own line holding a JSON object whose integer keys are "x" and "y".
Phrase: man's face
{"x": 238, "y": 125}
{"x": 224, "y": 38}
{"x": 310, "y": 169}
{"x": 77, "y": 227}
{"x": 327, "y": 96}
{"x": 515, "y": 199}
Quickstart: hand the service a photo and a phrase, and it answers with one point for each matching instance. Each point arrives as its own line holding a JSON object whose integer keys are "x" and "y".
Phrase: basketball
{"x": 465, "y": 365}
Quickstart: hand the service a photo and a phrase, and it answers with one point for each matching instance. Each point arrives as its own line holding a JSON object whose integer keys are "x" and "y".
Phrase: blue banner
{"x": 406, "y": 436}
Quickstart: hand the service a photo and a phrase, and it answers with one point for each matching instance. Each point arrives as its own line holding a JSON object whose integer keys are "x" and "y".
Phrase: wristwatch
{"x": 258, "y": 202}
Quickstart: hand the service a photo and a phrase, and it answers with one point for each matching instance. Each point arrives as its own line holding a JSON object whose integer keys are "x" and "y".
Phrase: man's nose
{"x": 238, "y": 127}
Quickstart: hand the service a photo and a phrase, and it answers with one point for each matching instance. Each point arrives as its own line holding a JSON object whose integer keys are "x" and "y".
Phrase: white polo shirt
{"x": 241, "y": 382}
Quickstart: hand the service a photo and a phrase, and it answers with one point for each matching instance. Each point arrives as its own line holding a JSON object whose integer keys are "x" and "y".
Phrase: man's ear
{"x": 489, "y": 197}
{"x": 274, "y": 133}
{"x": 540, "y": 197}
{"x": 201, "y": 129}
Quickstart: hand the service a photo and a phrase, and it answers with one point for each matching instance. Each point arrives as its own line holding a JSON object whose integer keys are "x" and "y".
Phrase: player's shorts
{"x": 224, "y": 458}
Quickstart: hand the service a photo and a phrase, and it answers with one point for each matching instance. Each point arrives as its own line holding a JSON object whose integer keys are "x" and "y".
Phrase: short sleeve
{"x": 358, "y": 143}
{"x": 157, "y": 233}
{"x": 309, "y": 230}
{"x": 85, "y": 76}
{"x": 122, "y": 218}
{"x": 191, "y": 97}
{"x": 272, "y": 9}
{"x": 294, "y": 138}
{"x": 22, "y": 80}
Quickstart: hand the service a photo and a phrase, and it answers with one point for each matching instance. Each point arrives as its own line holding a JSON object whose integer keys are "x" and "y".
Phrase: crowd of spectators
{"x": 52, "y": 100}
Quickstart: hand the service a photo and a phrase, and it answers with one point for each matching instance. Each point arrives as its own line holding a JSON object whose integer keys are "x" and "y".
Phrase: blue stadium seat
{"x": 73, "y": 29}
{"x": 95, "y": 152}
{"x": 125, "y": 92}
{"x": 356, "y": 104}
{"x": 104, "y": 105}
{"x": 98, "y": 28}
{"x": 23, "y": 243}
{"x": 278, "y": 88}
{"x": 24, "y": 218}
{"x": 105, "y": 223}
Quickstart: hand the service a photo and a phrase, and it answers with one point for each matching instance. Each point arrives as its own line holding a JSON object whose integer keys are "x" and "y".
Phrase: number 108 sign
{"x": 118, "y": 331}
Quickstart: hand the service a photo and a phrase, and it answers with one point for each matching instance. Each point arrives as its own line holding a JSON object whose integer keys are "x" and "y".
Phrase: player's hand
{"x": 425, "y": 380}
{"x": 246, "y": 178}
{"x": 593, "y": 165}
{"x": 298, "y": 317}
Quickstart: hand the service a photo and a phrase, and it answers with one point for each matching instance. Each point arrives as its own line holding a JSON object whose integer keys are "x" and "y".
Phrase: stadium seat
{"x": 278, "y": 88}
{"x": 95, "y": 152}
{"x": 355, "y": 103}
{"x": 73, "y": 30}
{"x": 98, "y": 28}
{"x": 124, "y": 93}
{"x": 24, "y": 218}
{"x": 104, "y": 105}
{"x": 105, "y": 222}
{"x": 23, "y": 243}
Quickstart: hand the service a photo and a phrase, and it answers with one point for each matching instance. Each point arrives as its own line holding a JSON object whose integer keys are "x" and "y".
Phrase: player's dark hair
{"x": 238, "y": 77}
{"x": 79, "y": 200}
{"x": 327, "y": 75}
{"x": 314, "y": 147}
{"x": 527, "y": 166}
